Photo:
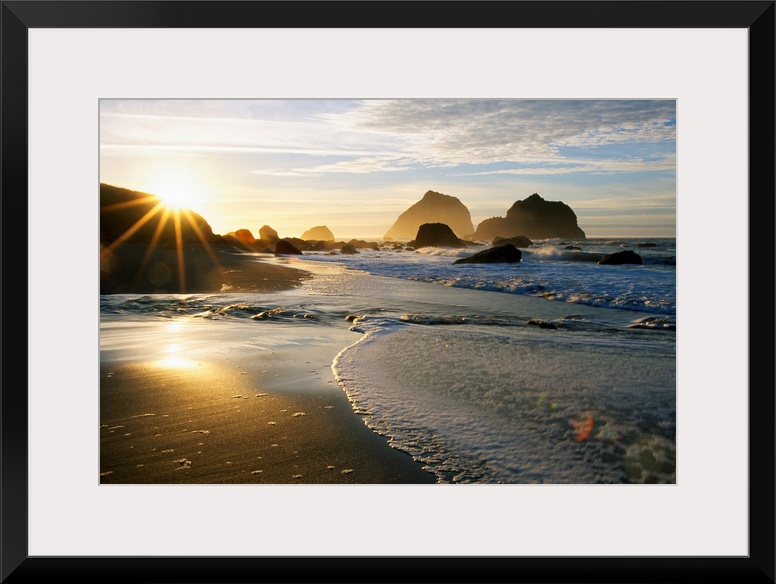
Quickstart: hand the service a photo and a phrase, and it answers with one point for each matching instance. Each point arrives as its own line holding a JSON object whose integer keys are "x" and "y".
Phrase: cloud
{"x": 530, "y": 137}
{"x": 489, "y": 131}
{"x": 185, "y": 133}
{"x": 364, "y": 165}
{"x": 589, "y": 166}
{"x": 643, "y": 202}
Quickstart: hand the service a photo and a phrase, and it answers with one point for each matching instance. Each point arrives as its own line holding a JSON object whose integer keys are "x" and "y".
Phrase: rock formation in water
{"x": 432, "y": 208}
{"x": 286, "y": 247}
{"x": 503, "y": 254}
{"x": 436, "y": 235}
{"x": 362, "y": 244}
{"x": 621, "y": 257}
{"x": 318, "y": 233}
{"x": 534, "y": 218}
{"x": 517, "y": 241}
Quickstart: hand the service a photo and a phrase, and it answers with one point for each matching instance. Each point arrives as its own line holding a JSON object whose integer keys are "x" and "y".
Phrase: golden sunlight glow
{"x": 174, "y": 359}
{"x": 178, "y": 188}
{"x": 164, "y": 212}
{"x": 175, "y": 326}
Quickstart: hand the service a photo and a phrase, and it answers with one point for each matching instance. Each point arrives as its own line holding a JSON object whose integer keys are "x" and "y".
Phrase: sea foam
{"x": 476, "y": 405}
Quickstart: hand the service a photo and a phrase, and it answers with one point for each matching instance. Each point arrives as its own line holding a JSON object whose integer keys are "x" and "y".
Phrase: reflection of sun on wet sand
{"x": 210, "y": 415}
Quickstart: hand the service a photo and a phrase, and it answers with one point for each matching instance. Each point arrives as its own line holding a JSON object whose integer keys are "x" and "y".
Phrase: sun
{"x": 178, "y": 189}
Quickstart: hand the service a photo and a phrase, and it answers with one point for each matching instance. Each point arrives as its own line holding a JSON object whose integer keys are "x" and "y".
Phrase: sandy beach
{"x": 136, "y": 268}
{"x": 199, "y": 403}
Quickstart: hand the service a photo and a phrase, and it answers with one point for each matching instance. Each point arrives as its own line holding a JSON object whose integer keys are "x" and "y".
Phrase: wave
{"x": 505, "y": 406}
{"x": 548, "y": 270}
{"x": 214, "y": 307}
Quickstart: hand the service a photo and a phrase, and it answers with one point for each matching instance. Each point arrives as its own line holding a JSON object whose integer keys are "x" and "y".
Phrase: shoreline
{"x": 235, "y": 403}
{"x": 138, "y": 268}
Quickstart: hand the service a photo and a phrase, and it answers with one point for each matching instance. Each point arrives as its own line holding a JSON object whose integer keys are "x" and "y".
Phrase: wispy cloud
{"x": 490, "y": 131}
{"x": 375, "y": 136}
{"x": 358, "y": 166}
{"x": 591, "y": 166}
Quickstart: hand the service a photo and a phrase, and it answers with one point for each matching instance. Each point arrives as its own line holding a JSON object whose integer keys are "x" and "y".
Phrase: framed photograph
{"x": 477, "y": 299}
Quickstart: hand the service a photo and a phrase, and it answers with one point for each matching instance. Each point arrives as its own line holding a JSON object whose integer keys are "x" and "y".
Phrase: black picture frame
{"x": 755, "y": 16}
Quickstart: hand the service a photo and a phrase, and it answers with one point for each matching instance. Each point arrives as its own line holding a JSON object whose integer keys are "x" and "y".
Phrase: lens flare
{"x": 583, "y": 426}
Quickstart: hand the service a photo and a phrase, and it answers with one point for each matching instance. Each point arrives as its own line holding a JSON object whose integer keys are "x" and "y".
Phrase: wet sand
{"x": 233, "y": 407}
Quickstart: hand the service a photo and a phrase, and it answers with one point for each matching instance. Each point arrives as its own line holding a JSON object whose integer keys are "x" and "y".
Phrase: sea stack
{"x": 318, "y": 233}
{"x": 534, "y": 218}
{"x": 432, "y": 208}
{"x": 436, "y": 235}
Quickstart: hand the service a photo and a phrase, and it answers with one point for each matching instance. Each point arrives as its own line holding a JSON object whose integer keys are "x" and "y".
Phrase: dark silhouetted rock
{"x": 646, "y": 244}
{"x": 263, "y": 246}
{"x": 286, "y": 247}
{"x": 517, "y": 241}
{"x": 122, "y": 210}
{"x": 302, "y": 244}
{"x": 573, "y": 248}
{"x": 349, "y": 249}
{"x": 361, "y": 244}
{"x": 432, "y": 208}
{"x": 243, "y": 238}
{"x": 621, "y": 257}
{"x": 318, "y": 246}
{"x": 268, "y": 234}
{"x": 319, "y": 233}
{"x": 503, "y": 254}
{"x": 535, "y": 218}
{"x": 231, "y": 239}
{"x": 436, "y": 235}
{"x": 495, "y": 227}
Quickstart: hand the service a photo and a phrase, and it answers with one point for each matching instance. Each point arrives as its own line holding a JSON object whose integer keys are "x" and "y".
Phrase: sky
{"x": 356, "y": 165}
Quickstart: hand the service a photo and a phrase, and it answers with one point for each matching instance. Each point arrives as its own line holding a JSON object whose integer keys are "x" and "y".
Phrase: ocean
{"x": 552, "y": 370}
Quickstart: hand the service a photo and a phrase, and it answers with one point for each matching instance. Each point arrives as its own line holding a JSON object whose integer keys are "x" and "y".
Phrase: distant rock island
{"x": 534, "y": 218}
{"x": 432, "y": 208}
{"x": 318, "y": 233}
